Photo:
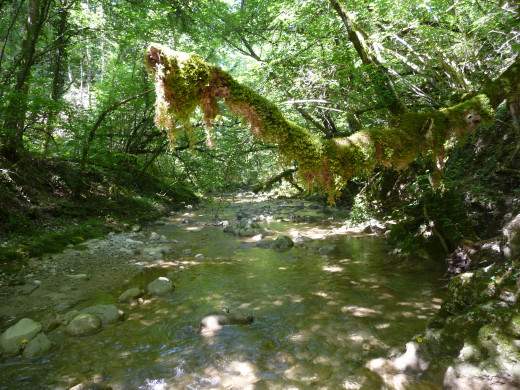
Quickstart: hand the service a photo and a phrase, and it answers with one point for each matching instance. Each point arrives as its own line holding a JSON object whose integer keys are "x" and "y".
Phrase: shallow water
{"x": 317, "y": 319}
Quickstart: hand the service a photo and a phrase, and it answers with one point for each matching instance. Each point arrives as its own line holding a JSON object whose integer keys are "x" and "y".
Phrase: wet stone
{"x": 12, "y": 339}
{"x": 160, "y": 286}
{"x": 327, "y": 249}
{"x": 83, "y": 324}
{"x": 130, "y": 294}
{"x": 265, "y": 243}
{"x": 37, "y": 346}
{"x": 108, "y": 314}
{"x": 283, "y": 242}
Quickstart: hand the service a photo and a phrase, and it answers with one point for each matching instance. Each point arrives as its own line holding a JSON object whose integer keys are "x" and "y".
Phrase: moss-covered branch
{"x": 184, "y": 82}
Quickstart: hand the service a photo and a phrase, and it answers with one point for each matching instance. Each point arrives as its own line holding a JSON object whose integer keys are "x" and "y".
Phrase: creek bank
{"x": 473, "y": 341}
{"x": 56, "y": 283}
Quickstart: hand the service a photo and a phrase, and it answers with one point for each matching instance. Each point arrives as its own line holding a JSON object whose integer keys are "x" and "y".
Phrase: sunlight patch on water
{"x": 357, "y": 311}
{"x": 382, "y": 326}
{"x": 194, "y": 228}
{"x": 332, "y": 268}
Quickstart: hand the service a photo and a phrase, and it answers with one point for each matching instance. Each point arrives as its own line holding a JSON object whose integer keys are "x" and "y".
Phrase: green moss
{"x": 179, "y": 78}
{"x": 184, "y": 82}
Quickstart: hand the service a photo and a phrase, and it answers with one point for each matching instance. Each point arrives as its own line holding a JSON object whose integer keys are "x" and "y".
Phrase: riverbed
{"x": 318, "y": 318}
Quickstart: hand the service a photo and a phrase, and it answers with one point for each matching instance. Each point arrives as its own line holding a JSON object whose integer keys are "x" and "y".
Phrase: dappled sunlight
{"x": 322, "y": 294}
{"x": 156, "y": 384}
{"x": 332, "y": 268}
{"x": 194, "y": 228}
{"x": 382, "y": 326}
{"x": 300, "y": 337}
{"x": 317, "y": 319}
{"x": 360, "y": 311}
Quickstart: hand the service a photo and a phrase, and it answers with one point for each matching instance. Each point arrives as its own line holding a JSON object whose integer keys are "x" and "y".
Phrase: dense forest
{"x": 77, "y": 107}
{"x": 113, "y": 113}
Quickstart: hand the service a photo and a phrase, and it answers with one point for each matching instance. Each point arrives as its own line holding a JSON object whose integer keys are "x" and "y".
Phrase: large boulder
{"x": 462, "y": 292}
{"x": 160, "y": 286}
{"x": 108, "y": 314}
{"x": 514, "y": 326}
{"x": 13, "y": 338}
{"x": 37, "y": 346}
{"x": 84, "y": 324}
{"x": 501, "y": 347}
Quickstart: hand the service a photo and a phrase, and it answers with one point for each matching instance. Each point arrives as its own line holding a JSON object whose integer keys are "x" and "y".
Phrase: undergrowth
{"x": 40, "y": 213}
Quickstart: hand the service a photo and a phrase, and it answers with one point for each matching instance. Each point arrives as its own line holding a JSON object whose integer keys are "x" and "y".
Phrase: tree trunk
{"x": 278, "y": 178}
{"x": 57, "y": 82}
{"x": 6, "y": 37}
{"x": 328, "y": 164}
{"x": 12, "y": 137}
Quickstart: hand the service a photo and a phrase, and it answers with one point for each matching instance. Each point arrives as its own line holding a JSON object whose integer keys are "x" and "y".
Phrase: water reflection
{"x": 317, "y": 319}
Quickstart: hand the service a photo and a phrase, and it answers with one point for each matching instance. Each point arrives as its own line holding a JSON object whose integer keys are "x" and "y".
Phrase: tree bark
{"x": 57, "y": 81}
{"x": 12, "y": 138}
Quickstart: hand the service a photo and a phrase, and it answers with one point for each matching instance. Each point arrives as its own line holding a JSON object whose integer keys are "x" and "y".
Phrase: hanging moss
{"x": 184, "y": 82}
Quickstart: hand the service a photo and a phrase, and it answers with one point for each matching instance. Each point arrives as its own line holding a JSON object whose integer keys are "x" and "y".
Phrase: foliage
{"x": 185, "y": 82}
{"x": 50, "y": 218}
{"x": 82, "y": 57}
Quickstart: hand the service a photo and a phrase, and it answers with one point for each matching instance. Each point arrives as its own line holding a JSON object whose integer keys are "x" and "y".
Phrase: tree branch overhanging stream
{"x": 185, "y": 82}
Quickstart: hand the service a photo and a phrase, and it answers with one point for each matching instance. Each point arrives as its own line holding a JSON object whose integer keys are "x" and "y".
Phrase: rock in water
{"x": 37, "y": 346}
{"x": 265, "y": 243}
{"x": 283, "y": 242}
{"x": 83, "y": 324}
{"x": 216, "y": 321}
{"x": 13, "y": 338}
{"x": 328, "y": 249}
{"x": 130, "y": 294}
{"x": 160, "y": 286}
{"x": 108, "y": 314}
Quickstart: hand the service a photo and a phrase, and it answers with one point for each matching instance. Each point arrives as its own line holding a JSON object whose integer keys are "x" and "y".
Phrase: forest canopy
{"x": 354, "y": 84}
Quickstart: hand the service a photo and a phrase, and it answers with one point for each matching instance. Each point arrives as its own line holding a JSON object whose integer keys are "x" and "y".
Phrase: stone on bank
{"x": 13, "y": 338}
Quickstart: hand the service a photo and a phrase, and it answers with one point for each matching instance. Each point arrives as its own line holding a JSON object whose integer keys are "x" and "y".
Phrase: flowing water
{"x": 318, "y": 318}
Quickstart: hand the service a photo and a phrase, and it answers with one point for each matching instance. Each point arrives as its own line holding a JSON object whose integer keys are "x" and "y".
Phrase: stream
{"x": 318, "y": 319}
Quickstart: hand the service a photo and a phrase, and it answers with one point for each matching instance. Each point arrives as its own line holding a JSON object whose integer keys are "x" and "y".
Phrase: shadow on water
{"x": 317, "y": 319}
